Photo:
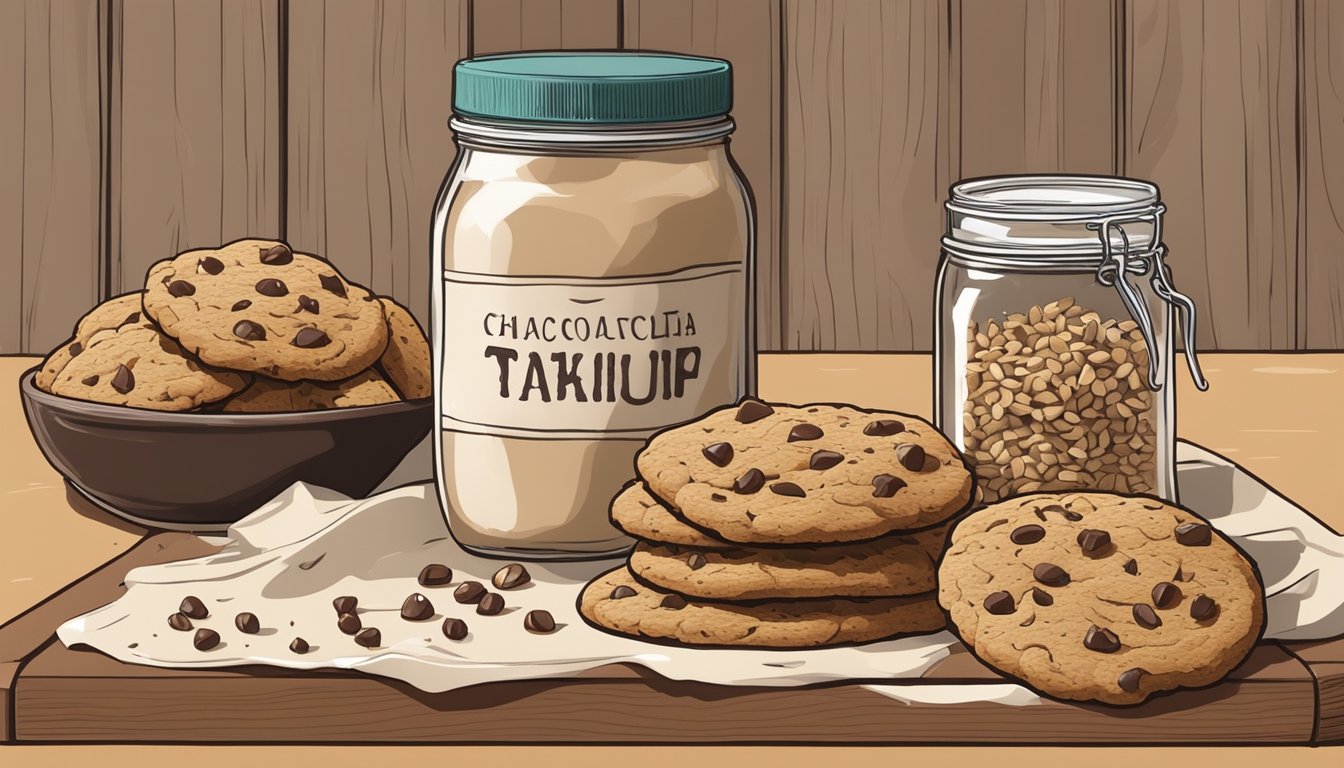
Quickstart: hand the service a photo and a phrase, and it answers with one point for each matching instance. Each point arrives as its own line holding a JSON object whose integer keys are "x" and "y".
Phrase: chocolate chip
{"x": 911, "y": 457}
{"x": 89, "y": 381}
{"x": 209, "y": 265}
{"x": 719, "y": 497}
{"x": 434, "y": 575}
{"x": 307, "y": 304}
{"x": 179, "y": 288}
{"x": 1179, "y": 575}
{"x": 1129, "y": 679}
{"x": 205, "y": 639}
{"x": 539, "y": 621}
{"x": 1203, "y": 607}
{"x": 333, "y": 283}
{"x": 1041, "y": 597}
{"x": 1146, "y": 617}
{"x": 622, "y": 592}
{"x": 344, "y": 604}
{"x": 310, "y": 338}
{"x": 249, "y": 331}
{"x": 469, "y": 592}
{"x": 491, "y": 604}
{"x": 1027, "y": 534}
{"x": 1000, "y": 604}
{"x": 824, "y": 460}
{"x": 750, "y": 481}
{"x": 1051, "y": 575}
{"x": 276, "y": 255}
{"x": 454, "y": 629}
{"x": 788, "y": 489}
{"x": 753, "y": 410}
{"x": 719, "y": 454}
{"x": 1194, "y": 534}
{"x": 179, "y": 622}
{"x": 511, "y": 576}
{"x": 886, "y": 486}
{"x": 1093, "y": 541}
{"x": 883, "y": 428}
{"x": 675, "y": 602}
{"x": 193, "y": 608}
{"x": 349, "y": 623}
{"x": 1101, "y": 640}
{"x": 123, "y": 380}
{"x": 1166, "y": 595}
{"x": 1132, "y": 567}
{"x": 416, "y": 607}
{"x": 272, "y": 287}
{"x": 247, "y": 623}
{"x": 369, "y": 638}
{"x": 299, "y": 645}
{"x": 76, "y": 349}
{"x": 805, "y": 432}
{"x": 695, "y": 561}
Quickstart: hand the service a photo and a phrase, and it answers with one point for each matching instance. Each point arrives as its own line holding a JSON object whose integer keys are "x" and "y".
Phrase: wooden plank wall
{"x": 139, "y": 128}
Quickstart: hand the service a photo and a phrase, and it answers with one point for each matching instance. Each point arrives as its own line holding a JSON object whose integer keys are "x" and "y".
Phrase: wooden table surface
{"x": 1278, "y": 415}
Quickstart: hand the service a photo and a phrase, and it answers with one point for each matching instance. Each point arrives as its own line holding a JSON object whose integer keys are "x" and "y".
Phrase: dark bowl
{"x": 205, "y": 471}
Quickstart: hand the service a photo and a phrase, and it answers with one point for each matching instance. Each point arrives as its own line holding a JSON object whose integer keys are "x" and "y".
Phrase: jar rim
{"x": 1052, "y": 197}
{"x": 523, "y": 135}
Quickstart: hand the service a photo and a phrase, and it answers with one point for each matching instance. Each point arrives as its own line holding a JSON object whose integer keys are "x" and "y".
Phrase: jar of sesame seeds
{"x": 1053, "y": 356}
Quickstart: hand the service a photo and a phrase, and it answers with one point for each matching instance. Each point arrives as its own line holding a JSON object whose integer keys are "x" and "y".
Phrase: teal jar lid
{"x": 592, "y": 87}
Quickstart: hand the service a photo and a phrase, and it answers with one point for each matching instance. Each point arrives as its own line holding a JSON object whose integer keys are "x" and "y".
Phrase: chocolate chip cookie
{"x": 255, "y": 305}
{"x": 616, "y": 602}
{"x": 636, "y": 512}
{"x": 269, "y": 396}
{"x": 1101, "y": 597}
{"x": 108, "y": 316}
{"x": 406, "y": 360}
{"x": 816, "y": 474}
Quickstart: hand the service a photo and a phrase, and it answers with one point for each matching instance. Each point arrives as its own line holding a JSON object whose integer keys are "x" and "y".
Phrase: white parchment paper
{"x": 288, "y": 560}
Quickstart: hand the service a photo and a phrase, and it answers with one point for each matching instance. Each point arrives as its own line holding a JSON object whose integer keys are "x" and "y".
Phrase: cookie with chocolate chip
{"x": 756, "y": 473}
{"x": 256, "y": 305}
{"x": 1100, "y": 597}
{"x": 406, "y": 359}
{"x": 108, "y": 316}
{"x": 615, "y": 602}
{"x": 271, "y": 396}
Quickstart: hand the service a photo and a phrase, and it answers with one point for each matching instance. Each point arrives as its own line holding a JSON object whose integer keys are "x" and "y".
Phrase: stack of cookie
{"x": 248, "y": 327}
{"x": 783, "y": 527}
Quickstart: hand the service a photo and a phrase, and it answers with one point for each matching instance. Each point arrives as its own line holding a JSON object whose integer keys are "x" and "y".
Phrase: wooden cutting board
{"x": 1290, "y": 693}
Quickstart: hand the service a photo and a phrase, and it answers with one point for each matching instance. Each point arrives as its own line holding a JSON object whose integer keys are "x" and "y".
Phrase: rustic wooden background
{"x": 133, "y": 129}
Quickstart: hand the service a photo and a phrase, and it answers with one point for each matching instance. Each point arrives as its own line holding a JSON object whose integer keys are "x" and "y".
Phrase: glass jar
{"x": 1054, "y": 345}
{"x": 592, "y": 253}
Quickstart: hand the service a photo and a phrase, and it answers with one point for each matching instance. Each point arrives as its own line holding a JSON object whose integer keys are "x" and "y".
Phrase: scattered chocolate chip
{"x": 205, "y": 639}
{"x": 299, "y": 645}
{"x": 435, "y": 575}
{"x": 1166, "y": 595}
{"x": 469, "y": 592}
{"x": 333, "y": 283}
{"x": 491, "y": 603}
{"x": 695, "y": 561}
{"x": 76, "y": 349}
{"x": 209, "y": 265}
{"x": 369, "y": 638}
{"x": 1194, "y": 534}
{"x": 349, "y": 623}
{"x": 307, "y": 304}
{"x": 539, "y": 622}
{"x": 276, "y": 255}
{"x": 883, "y": 428}
{"x": 454, "y": 629}
{"x": 239, "y": 306}
{"x": 622, "y": 592}
{"x": 344, "y": 604}
{"x": 805, "y": 432}
{"x": 911, "y": 457}
{"x": 249, "y": 331}
{"x": 247, "y": 623}
{"x": 1041, "y": 597}
{"x": 1051, "y": 575}
{"x": 1146, "y": 617}
{"x": 1101, "y": 640}
{"x": 416, "y": 607}
{"x": 824, "y": 460}
{"x": 193, "y": 608}
{"x": 1093, "y": 541}
{"x": 89, "y": 381}
{"x": 719, "y": 497}
{"x": 753, "y": 410}
{"x": 1129, "y": 679}
{"x": 310, "y": 338}
{"x": 511, "y": 576}
{"x": 719, "y": 454}
{"x": 750, "y": 481}
{"x": 1203, "y": 607}
{"x": 179, "y": 622}
{"x": 1000, "y": 604}
{"x": 1132, "y": 567}
{"x": 1027, "y": 534}
{"x": 886, "y": 486}
{"x": 180, "y": 288}
{"x": 788, "y": 489}
{"x": 123, "y": 380}
{"x": 271, "y": 287}
{"x": 675, "y": 602}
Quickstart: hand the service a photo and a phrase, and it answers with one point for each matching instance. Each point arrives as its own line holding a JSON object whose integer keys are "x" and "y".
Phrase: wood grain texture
{"x": 195, "y": 128}
{"x": 521, "y": 25}
{"x": 868, "y": 160}
{"x": 369, "y": 102}
{"x": 52, "y": 68}
{"x": 747, "y": 33}
{"x": 1321, "y": 296}
{"x": 1212, "y": 120}
{"x": 1038, "y": 82}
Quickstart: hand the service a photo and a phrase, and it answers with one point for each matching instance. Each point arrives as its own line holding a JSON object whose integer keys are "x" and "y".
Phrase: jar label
{"x": 620, "y": 357}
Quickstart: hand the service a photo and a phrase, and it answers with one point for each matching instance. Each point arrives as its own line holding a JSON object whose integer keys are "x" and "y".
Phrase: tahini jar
{"x": 592, "y": 252}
